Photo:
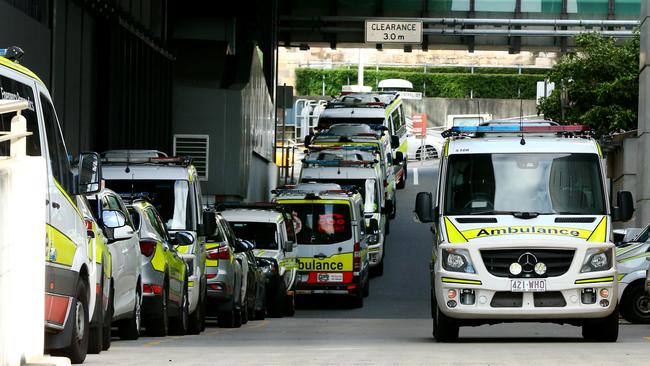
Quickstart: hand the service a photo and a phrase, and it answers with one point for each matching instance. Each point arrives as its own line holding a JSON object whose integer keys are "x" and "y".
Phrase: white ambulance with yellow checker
{"x": 522, "y": 226}
{"x": 333, "y": 239}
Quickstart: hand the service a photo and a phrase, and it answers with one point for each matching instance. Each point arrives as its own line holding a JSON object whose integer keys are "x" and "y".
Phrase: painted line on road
{"x": 416, "y": 177}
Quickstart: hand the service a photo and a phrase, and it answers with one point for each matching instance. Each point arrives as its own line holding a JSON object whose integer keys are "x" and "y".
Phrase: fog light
{"x": 604, "y": 293}
{"x": 467, "y": 297}
{"x": 451, "y": 303}
{"x": 451, "y": 294}
{"x": 515, "y": 268}
{"x": 540, "y": 268}
{"x": 604, "y": 303}
{"x": 588, "y": 296}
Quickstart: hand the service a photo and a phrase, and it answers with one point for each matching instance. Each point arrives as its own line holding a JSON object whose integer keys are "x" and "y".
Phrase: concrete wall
{"x": 622, "y": 171}
{"x": 437, "y": 109}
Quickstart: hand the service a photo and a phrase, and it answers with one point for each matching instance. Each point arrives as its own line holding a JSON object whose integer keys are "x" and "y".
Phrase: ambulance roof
{"x": 252, "y": 215}
{"x": 512, "y": 144}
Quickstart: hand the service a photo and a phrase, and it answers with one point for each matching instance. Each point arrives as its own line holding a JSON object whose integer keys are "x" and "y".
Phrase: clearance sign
{"x": 386, "y": 31}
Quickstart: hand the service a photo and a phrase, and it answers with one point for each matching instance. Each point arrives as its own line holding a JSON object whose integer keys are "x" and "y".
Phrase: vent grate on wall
{"x": 197, "y": 148}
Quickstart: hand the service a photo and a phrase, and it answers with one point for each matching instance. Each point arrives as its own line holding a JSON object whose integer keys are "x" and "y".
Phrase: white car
{"x": 424, "y": 149}
{"x": 632, "y": 263}
{"x": 123, "y": 243}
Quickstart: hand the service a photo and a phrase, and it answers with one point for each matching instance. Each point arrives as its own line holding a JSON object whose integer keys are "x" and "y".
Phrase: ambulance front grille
{"x": 498, "y": 261}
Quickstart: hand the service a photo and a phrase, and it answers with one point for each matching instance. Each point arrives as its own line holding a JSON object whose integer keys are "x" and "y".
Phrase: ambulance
{"x": 350, "y": 136}
{"x": 522, "y": 230}
{"x": 71, "y": 256}
{"x": 333, "y": 239}
{"x": 353, "y": 166}
{"x": 377, "y": 109}
{"x": 633, "y": 262}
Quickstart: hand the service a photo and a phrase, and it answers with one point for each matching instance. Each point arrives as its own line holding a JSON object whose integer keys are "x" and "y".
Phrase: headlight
{"x": 597, "y": 259}
{"x": 457, "y": 260}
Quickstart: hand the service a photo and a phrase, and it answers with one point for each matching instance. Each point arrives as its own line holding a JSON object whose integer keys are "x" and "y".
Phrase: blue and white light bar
{"x": 517, "y": 129}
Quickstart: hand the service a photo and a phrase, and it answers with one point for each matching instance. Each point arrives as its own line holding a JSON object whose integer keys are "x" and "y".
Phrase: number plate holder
{"x": 528, "y": 285}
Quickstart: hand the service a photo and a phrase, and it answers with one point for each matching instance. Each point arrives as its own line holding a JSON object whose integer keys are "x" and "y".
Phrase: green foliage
{"x": 447, "y": 85}
{"x": 601, "y": 81}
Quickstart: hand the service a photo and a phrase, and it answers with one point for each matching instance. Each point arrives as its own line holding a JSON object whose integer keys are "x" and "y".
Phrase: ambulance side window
{"x": 12, "y": 89}
{"x": 55, "y": 146}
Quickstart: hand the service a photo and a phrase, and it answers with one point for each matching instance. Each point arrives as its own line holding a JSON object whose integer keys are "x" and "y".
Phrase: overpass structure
{"x": 169, "y": 75}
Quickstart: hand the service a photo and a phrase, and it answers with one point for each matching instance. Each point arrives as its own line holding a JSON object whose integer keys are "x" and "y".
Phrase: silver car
{"x": 165, "y": 303}
{"x": 224, "y": 275}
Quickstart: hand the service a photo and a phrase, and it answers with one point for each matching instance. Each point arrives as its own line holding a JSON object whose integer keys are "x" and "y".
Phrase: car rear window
{"x": 262, "y": 234}
{"x": 321, "y": 223}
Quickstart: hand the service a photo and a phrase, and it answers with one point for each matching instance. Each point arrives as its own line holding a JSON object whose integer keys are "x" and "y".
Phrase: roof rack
{"x": 354, "y": 100}
{"x": 564, "y": 130}
{"x": 366, "y": 148}
{"x": 222, "y": 206}
{"x": 312, "y": 194}
{"x": 138, "y": 157}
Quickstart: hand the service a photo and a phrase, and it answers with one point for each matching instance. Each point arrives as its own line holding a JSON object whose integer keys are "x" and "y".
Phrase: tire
{"x": 387, "y": 231}
{"x": 230, "y": 319}
{"x": 393, "y": 212}
{"x": 378, "y": 270}
{"x": 237, "y": 318}
{"x": 96, "y": 332}
{"x": 602, "y": 330}
{"x": 260, "y": 314}
{"x": 290, "y": 305}
{"x": 78, "y": 347}
{"x": 365, "y": 291}
{"x": 178, "y": 325}
{"x": 277, "y": 305}
{"x": 197, "y": 318}
{"x": 158, "y": 326}
{"x": 357, "y": 300}
{"x": 129, "y": 329}
{"x": 244, "y": 312}
{"x": 108, "y": 322}
{"x": 445, "y": 329}
{"x": 635, "y": 304}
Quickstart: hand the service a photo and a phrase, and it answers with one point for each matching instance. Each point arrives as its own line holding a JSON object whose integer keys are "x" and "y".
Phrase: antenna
{"x": 521, "y": 118}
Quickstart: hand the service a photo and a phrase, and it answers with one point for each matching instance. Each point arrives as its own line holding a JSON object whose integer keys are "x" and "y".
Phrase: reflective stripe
{"x": 643, "y": 255}
{"x": 64, "y": 247}
{"x": 457, "y": 280}
{"x": 158, "y": 260}
{"x": 600, "y": 152}
{"x": 446, "y": 147}
{"x": 453, "y": 234}
{"x": 595, "y": 280}
{"x": 211, "y": 262}
{"x": 190, "y": 283}
{"x": 621, "y": 275}
{"x": 288, "y": 201}
{"x": 20, "y": 68}
{"x": 600, "y": 233}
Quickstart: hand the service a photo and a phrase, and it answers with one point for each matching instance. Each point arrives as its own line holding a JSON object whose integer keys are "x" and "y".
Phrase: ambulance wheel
{"x": 393, "y": 212}
{"x": 635, "y": 304}
{"x": 95, "y": 337}
{"x": 226, "y": 319}
{"x": 159, "y": 326}
{"x": 290, "y": 305}
{"x": 387, "y": 228}
{"x": 178, "y": 325}
{"x": 278, "y": 302}
{"x": 357, "y": 300}
{"x": 129, "y": 328}
{"x": 78, "y": 347}
{"x": 244, "y": 312}
{"x": 260, "y": 314}
{"x": 445, "y": 329}
{"x": 365, "y": 292}
{"x": 378, "y": 270}
{"x": 237, "y": 318}
{"x": 108, "y": 319}
{"x": 197, "y": 318}
{"x": 602, "y": 330}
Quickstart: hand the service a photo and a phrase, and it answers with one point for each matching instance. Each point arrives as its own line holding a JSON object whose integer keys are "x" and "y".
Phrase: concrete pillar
{"x": 643, "y": 187}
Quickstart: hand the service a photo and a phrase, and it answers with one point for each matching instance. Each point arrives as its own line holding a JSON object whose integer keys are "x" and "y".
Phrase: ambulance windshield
{"x": 488, "y": 184}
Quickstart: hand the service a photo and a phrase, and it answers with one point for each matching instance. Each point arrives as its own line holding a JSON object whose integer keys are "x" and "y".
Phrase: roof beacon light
{"x": 517, "y": 129}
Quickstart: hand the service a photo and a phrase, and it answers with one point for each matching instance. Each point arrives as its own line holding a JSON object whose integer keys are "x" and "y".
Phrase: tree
{"x": 601, "y": 80}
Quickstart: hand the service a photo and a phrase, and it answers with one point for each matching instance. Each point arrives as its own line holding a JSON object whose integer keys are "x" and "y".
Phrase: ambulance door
{"x": 65, "y": 219}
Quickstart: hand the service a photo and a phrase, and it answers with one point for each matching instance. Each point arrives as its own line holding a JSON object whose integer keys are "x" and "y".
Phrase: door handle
{"x": 56, "y": 205}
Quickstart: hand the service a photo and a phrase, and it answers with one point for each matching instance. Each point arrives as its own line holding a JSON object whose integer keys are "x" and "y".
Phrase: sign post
{"x": 420, "y": 131}
{"x": 389, "y": 31}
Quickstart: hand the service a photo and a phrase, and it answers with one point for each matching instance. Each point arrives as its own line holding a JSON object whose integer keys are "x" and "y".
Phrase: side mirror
{"x": 308, "y": 140}
{"x": 373, "y": 226}
{"x": 625, "y": 206}
{"x": 288, "y": 246}
{"x": 121, "y": 233}
{"x": 394, "y": 141}
{"x": 424, "y": 207}
{"x": 90, "y": 173}
{"x": 399, "y": 157}
{"x": 183, "y": 238}
{"x": 209, "y": 223}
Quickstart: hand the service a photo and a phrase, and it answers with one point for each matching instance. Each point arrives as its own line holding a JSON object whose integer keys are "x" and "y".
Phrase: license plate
{"x": 330, "y": 277}
{"x": 528, "y": 285}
